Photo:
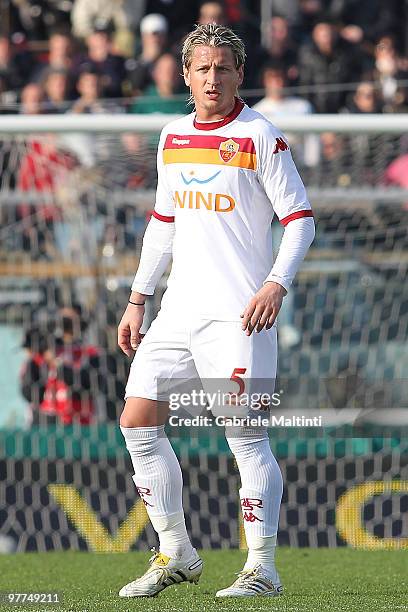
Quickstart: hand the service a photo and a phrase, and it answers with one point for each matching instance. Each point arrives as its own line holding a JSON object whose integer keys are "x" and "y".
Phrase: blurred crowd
{"x": 117, "y": 56}
{"x": 57, "y": 375}
{"x": 124, "y": 55}
{"x": 69, "y": 373}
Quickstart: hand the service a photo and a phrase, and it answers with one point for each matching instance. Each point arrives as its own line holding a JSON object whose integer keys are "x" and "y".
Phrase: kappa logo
{"x": 248, "y": 504}
{"x": 143, "y": 491}
{"x": 280, "y": 145}
{"x": 228, "y": 150}
{"x": 180, "y": 141}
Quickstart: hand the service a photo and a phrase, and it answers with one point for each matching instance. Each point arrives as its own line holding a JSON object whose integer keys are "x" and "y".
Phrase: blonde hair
{"x": 213, "y": 35}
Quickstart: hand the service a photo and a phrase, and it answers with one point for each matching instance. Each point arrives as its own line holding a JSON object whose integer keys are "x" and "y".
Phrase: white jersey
{"x": 221, "y": 182}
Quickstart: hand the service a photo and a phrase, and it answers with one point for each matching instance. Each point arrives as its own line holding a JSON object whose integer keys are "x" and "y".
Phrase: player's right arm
{"x": 154, "y": 259}
{"x": 285, "y": 190}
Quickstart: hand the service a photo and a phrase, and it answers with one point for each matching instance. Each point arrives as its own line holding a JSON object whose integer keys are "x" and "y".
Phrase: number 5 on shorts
{"x": 236, "y": 378}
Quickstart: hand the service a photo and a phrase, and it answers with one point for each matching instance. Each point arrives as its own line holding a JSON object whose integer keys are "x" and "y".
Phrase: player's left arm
{"x": 154, "y": 258}
{"x": 278, "y": 175}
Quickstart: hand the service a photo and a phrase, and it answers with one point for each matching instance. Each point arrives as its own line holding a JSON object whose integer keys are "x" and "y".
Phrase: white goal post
{"x": 369, "y": 124}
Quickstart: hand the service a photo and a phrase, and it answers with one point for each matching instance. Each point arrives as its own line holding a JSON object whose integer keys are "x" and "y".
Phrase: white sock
{"x": 159, "y": 483}
{"x": 262, "y": 552}
{"x": 260, "y": 496}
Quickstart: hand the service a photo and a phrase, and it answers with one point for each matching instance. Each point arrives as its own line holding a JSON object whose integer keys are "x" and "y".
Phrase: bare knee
{"x": 127, "y": 420}
{"x": 141, "y": 412}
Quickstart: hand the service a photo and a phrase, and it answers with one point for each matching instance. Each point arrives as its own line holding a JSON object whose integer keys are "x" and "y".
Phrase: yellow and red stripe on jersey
{"x": 215, "y": 150}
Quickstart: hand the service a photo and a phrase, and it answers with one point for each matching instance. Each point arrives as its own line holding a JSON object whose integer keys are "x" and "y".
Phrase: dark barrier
{"x": 60, "y": 503}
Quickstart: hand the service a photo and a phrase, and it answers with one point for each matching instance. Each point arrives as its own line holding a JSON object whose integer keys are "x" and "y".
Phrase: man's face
{"x": 365, "y": 97}
{"x": 154, "y": 39}
{"x": 56, "y": 86}
{"x": 214, "y": 79}
{"x": 274, "y": 81}
{"x": 165, "y": 72}
{"x": 323, "y": 36}
{"x": 5, "y": 51}
{"x": 88, "y": 86}
{"x": 279, "y": 29}
{"x": 60, "y": 46}
{"x": 98, "y": 45}
{"x": 211, "y": 12}
{"x": 31, "y": 99}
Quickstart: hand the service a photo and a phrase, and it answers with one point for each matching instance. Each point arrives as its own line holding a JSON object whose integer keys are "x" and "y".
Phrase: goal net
{"x": 75, "y": 196}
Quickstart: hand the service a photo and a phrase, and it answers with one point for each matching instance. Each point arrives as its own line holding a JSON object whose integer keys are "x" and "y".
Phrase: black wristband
{"x": 135, "y": 303}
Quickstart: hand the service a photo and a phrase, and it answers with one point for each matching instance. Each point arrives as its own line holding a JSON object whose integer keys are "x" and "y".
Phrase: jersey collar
{"x": 214, "y": 125}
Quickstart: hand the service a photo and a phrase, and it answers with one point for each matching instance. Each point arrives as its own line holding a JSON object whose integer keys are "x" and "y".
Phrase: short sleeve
{"x": 164, "y": 204}
{"x": 280, "y": 179}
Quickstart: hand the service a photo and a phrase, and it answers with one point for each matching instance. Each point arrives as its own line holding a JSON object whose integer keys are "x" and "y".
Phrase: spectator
{"x": 60, "y": 58}
{"x": 280, "y": 47}
{"x": 32, "y": 99}
{"x": 396, "y": 174}
{"x": 44, "y": 166}
{"x": 212, "y": 12}
{"x": 328, "y": 60}
{"x": 91, "y": 148}
{"x": 60, "y": 49}
{"x": 43, "y": 170}
{"x": 311, "y": 11}
{"x": 335, "y": 167}
{"x": 89, "y": 89}
{"x": 111, "y": 68}
{"x": 365, "y": 99}
{"x": 34, "y": 375}
{"x": 55, "y": 87}
{"x": 60, "y": 376}
{"x": 367, "y": 19}
{"x": 164, "y": 95}
{"x": 8, "y": 97}
{"x": 279, "y": 50}
{"x": 389, "y": 70}
{"x": 14, "y": 67}
{"x": 130, "y": 165}
{"x": 39, "y": 18}
{"x": 179, "y": 16}
{"x": 288, "y": 9}
{"x": 153, "y": 31}
{"x": 277, "y": 102}
{"x": 125, "y": 17}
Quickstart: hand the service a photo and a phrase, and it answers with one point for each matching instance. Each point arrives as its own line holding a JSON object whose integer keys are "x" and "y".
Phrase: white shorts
{"x": 210, "y": 353}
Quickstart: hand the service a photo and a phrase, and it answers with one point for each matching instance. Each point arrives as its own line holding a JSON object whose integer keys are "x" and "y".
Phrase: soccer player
{"x": 223, "y": 171}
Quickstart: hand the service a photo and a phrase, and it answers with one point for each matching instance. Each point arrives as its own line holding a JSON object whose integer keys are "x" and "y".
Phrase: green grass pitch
{"x": 314, "y": 579}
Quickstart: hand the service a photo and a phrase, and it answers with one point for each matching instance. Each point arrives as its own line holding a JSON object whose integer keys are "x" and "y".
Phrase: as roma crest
{"x": 228, "y": 149}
